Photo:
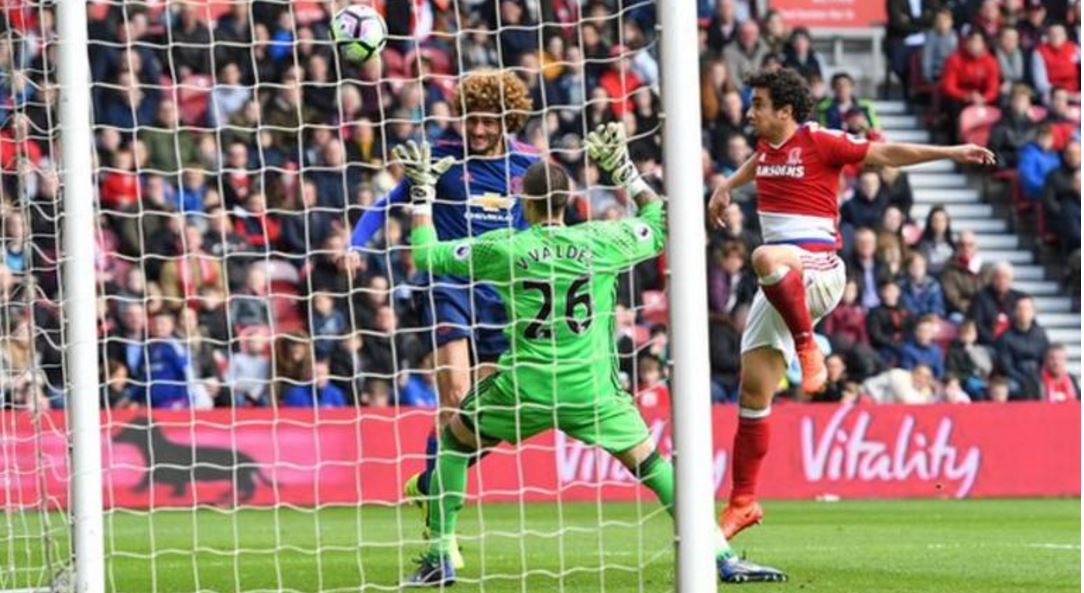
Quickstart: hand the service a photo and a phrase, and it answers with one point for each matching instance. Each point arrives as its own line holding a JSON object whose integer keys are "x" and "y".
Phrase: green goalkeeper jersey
{"x": 558, "y": 286}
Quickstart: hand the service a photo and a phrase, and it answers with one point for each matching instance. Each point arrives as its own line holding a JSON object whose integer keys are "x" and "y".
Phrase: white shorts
{"x": 824, "y": 275}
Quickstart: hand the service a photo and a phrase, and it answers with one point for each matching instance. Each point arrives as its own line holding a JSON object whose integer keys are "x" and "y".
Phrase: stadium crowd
{"x": 236, "y": 151}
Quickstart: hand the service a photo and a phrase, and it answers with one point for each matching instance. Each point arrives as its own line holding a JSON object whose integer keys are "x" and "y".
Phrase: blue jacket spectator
{"x": 920, "y": 349}
{"x": 321, "y": 392}
{"x": 328, "y": 325}
{"x": 868, "y": 204}
{"x": 1037, "y": 159}
{"x": 166, "y": 368}
{"x": 416, "y": 391}
{"x": 921, "y": 293}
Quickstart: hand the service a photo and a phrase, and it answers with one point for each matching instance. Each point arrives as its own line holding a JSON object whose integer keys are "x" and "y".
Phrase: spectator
{"x": 619, "y": 81}
{"x": 890, "y": 254}
{"x": 252, "y": 223}
{"x": 921, "y": 350}
{"x": 887, "y": 324}
{"x": 119, "y": 189}
{"x": 1012, "y": 62}
{"x": 229, "y": 95}
{"x": 745, "y": 55}
{"x": 731, "y": 283}
{"x": 1057, "y": 383}
{"x": 249, "y": 370}
{"x": 417, "y": 389}
{"x": 839, "y": 387}
{"x": 321, "y": 392}
{"x": 868, "y": 204}
{"x": 249, "y": 307}
{"x": 652, "y": 392}
{"x": 969, "y": 362}
{"x": 831, "y": 111}
{"x": 226, "y": 245}
{"x": 516, "y": 36}
{"x": 970, "y": 77}
{"x": 775, "y": 32}
{"x": 999, "y": 390}
{"x": 941, "y": 42}
{"x": 1061, "y": 200}
{"x": 896, "y": 184}
{"x": 936, "y": 243}
{"x": 724, "y": 340}
{"x": 1021, "y": 350}
{"x": 15, "y": 243}
{"x": 328, "y": 325}
{"x": 190, "y": 50}
{"x": 117, "y": 390}
{"x": 304, "y": 225}
{"x": 845, "y": 327}
{"x": 184, "y": 277}
{"x": 868, "y": 271}
{"x": 800, "y": 55}
{"x": 993, "y": 305}
{"x": 963, "y": 275}
{"x": 915, "y": 386}
{"x": 1064, "y": 119}
{"x": 1055, "y": 63}
{"x": 168, "y": 150}
{"x": 988, "y": 20}
{"x": 1037, "y": 159}
{"x": 907, "y": 23}
{"x": 1032, "y": 26}
{"x": 165, "y": 369}
{"x": 292, "y": 365}
{"x": 1016, "y": 129}
{"x": 723, "y": 28}
{"x": 735, "y": 230}
{"x": 921, "y": 293}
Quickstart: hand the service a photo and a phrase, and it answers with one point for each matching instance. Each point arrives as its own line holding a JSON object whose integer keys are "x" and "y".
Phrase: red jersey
{"x": 798, "y": 186}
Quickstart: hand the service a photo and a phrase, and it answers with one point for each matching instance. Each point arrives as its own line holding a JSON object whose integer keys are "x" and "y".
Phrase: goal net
{"x": 267, "y": 374}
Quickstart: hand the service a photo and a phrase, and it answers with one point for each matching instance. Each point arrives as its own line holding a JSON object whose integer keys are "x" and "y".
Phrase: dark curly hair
{"x": 785, "y": 87}
{"x": 496, "y": 92}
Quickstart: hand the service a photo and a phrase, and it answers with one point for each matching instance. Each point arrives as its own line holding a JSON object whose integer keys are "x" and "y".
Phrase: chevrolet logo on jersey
{"x": 491, "y": 202}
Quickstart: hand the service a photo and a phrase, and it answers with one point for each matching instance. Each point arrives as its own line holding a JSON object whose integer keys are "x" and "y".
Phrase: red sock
{"x": 787, "y": 295}
{"x": 750, "y": 447}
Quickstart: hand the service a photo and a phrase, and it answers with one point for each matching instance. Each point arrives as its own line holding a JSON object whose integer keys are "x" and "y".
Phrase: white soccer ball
{"x": 359, "y": 31}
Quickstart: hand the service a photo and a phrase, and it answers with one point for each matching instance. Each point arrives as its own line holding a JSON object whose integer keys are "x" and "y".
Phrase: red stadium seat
{"x": 976, "y": 122}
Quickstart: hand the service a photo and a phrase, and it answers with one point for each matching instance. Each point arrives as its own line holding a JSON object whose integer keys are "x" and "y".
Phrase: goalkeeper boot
{"x": 814, "y": 373}
{"x": 740, "y": 512}
{"x": 432, "y": 572}
{"x": 735, "y": 570}
{"x": 414, "y": 495}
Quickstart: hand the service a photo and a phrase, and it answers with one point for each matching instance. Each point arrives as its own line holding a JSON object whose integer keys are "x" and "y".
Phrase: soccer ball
{"x": 359, "y": 31}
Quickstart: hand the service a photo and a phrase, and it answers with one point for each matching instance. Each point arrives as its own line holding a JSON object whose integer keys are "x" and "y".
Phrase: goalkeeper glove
{"x": 608, "y": 147}
{"x": 422, "y": 172}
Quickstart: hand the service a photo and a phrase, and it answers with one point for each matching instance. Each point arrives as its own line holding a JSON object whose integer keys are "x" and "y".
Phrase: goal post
{"x": 694, "y": 504}
{"x": 79, "y": 298}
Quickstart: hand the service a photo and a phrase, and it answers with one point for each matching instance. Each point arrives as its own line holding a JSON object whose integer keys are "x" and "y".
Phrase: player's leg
{"x": 762, "y": 370}
{"x": 622, "y": 423}
{"x": 780, "y": 271}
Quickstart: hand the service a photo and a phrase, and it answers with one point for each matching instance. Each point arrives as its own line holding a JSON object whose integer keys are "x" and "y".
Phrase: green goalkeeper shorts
{"x": 613, "y": 423}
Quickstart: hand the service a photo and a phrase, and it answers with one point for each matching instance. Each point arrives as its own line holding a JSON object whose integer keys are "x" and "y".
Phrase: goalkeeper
{"x": 557, "y": 284}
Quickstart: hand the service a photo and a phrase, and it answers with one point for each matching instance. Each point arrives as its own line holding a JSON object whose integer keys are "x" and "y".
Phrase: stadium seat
{"x": 976, "y": 122}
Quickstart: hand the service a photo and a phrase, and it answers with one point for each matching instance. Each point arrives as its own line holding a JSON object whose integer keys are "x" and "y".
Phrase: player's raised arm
{"x": 901, "y": 154}
{"x": 635, "y": 239}
{"x": 720, "y": 198}
{"x": 460, "y": 257}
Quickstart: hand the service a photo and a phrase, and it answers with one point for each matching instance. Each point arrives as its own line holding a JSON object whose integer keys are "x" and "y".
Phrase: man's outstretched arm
{"x": 902, "y": 154}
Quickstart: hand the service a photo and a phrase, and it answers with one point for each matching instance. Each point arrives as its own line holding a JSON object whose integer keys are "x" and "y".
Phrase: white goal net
{"x": 265, "y": 395}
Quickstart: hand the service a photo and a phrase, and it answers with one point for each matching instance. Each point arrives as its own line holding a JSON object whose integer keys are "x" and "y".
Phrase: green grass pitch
{"x": 987, "y": 546}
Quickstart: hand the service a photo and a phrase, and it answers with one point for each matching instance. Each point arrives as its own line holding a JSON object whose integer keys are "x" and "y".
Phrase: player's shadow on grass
{"x": 181, "y": 465}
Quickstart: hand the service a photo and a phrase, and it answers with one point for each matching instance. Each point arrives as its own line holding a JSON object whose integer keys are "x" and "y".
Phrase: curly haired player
{"x": 796, "y": 167}
{"x": 480, "y": 164}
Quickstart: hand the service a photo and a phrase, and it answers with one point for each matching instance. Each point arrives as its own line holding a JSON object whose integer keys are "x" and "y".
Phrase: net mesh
{"x": 266, "y": 390}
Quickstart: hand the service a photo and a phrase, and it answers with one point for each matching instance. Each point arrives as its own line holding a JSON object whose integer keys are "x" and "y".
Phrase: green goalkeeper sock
{"x": 447, "y": 489}
{"x": 658, "y": 474}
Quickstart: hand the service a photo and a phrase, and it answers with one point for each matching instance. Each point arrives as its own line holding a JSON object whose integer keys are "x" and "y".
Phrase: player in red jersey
{"x": 796, "y": 167}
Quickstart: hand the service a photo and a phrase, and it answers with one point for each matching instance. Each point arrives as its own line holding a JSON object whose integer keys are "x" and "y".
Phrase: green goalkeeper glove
{"x": 608, "y": 147}
{"x": 422, "y": 172}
